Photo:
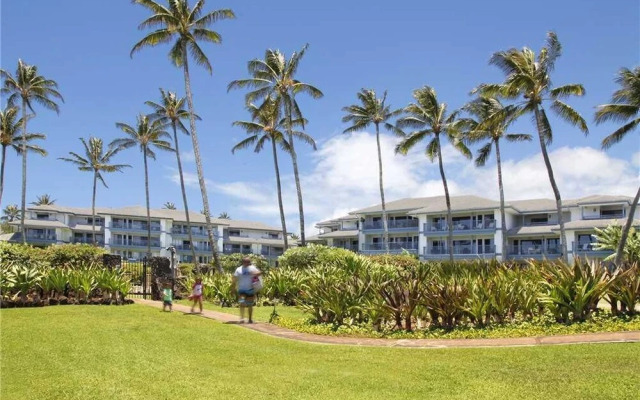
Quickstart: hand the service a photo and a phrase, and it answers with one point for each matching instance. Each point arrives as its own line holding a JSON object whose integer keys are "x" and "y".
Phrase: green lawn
{"x": 139, "y": 352}
{"x": 260, "y": 314}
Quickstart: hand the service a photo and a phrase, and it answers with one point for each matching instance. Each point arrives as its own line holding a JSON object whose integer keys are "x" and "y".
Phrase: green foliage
{"x": 609, "y": 238}
{"x": 55, "y": 281}
{"x": 73, "y": 255}
{"x": 284, "y": 284}
{"x": 311, "y": 256}
{"x": 626, "y": 289}
{"x": 230, "y": 262}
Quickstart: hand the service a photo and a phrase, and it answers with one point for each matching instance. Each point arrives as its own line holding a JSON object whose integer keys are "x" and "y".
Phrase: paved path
{"x": 273, "y": 330}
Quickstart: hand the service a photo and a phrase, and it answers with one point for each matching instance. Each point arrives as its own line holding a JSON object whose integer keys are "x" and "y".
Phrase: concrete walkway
{"x": 276, "y": 331}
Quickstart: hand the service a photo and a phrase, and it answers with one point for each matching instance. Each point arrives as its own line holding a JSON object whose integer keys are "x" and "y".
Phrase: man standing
{"x": 243, "y": 280}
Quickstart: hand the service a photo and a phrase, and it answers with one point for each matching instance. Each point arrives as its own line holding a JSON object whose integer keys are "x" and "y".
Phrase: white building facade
{"x": 124, "y": 231}
{"x": 418, "y": 225}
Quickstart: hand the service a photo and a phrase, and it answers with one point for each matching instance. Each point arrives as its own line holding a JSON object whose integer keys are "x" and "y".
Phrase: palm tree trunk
{"x": 554, "y": 186}
{"x": 93, "y": 208}
{"x": 4, "y": 155}
{"x": 448, "y": 201}
{"x": 385, "y": 225}
{"x": 296, "y": 175}
{"x": 24, "y": 171}
{"x": 196, "y": 154}
{"x": 625, "y": 231}
{"x": 503, "y": 223}
{"x": 146, "y": 190}
{"x": 279, "y": 187}
{"x": 184, "y": 193}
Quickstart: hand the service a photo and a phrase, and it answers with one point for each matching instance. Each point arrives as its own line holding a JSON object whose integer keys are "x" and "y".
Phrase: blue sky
{"x": 398, "y": 46}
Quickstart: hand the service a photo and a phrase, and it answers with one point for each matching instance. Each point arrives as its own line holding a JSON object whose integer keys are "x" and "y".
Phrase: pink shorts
{"x": 195, "y": 297}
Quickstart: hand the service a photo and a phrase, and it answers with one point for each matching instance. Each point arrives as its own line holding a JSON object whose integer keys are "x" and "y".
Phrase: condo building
{"x": 418, "y": 225}
{"x": 124, "y": 231}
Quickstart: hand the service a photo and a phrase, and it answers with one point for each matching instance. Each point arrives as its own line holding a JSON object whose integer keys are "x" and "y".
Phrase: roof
{"x": 86, "y": 228}
{"x": 533, "y": 230}
{"x": 41, "y": 223}
{"x": 596, "y": 223}
{"x": 315, "y": 238}
{"x": 535, "y": 205}
{"x": 258, "y": 226}
{"x": 339, "y": 234}
{"x": 8, "y": 237}
{"x": 458, "y": 203}
{"x": 406, "y": 204}
{"x": 337, "y": 220}
{"x": 603, "y": 199}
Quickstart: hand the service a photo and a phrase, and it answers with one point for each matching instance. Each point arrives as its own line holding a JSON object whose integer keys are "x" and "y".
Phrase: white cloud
{"x": 635, "y": 159}
{"x": 344, "y": 177}
{"x": 187, "y": 156}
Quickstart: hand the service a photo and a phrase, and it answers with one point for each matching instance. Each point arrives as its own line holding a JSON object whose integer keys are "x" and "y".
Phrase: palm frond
{"x": 570, "y": 115}
{"x": 619, "y": 134}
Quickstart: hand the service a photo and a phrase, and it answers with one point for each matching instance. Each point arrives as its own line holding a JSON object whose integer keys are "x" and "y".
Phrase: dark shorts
{"x": 166, "y": 302}
{"x": 248, "y": 293}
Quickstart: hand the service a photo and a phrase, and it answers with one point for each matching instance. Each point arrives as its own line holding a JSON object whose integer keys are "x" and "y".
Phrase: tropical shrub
{"x": 284, "y": 284}
{"x": 73, "y": 255}
{"x": 626, "y": 290}
{"x": 310, "y": 256}
{"x": 609, "y": 237}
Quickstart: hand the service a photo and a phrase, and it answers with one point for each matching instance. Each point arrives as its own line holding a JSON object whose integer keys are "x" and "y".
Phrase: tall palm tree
{"x": 171, "y": 111}
{"x": 372, "y": 110}
{"x": 28, "y": 87}
{"x": 267, "y": 126}
{"x": 11, "y": 212}
{"x": 11, "y": 136}
{"x": 224, "y": 215}
{"x": 529, "y": 77}
{"x": 275, "y": 77}
{"x": 187, "y": 26}
{"x": 95, "y": 160}
{"x": 44, "y": 200}
{"x": 491, "y": 122}
{"x": 431, "y": 120}
{"x": 625, "y": 106}
{"x": 170, "y": 206}
{"x": 147, "y": 133}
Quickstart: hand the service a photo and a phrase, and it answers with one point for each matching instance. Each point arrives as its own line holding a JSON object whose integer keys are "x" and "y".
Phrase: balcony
{"x": 589, "y": 250}
{"x": 394, "y": 247}
{"x": 409, "y": 224}
{"x": 271, "y": 252}
{"x": 466, "y": 226}
{"x": 230, "y": 250}
{"x": 133, "y": 243}
{"x": 155, "y": 229}
{"x": 270, "y": 237}
{"x": 534, "y": 251}
{"x": 197, "y": 233}
{"x": 351, "y": 247}
{"x": 197, "y": 247}
{"x": 44, "y": 238}
{"x": 99, "y": 242}
{"x": 239, "y": 235}
{"x": 460, "y": 252}
{"x": 609, "y": 215}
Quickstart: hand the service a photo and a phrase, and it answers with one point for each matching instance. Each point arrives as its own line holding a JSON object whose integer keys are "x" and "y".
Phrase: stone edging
{"x": 276, "y": 331}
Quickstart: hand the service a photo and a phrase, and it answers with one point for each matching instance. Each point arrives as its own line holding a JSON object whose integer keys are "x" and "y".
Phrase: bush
{"x": 229, "y": 262}
{"x": 71, "y": 255}
{"x": 311, "y": 256}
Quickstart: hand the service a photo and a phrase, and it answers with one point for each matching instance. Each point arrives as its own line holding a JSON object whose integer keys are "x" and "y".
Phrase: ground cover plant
{"x": 147, "y": 354}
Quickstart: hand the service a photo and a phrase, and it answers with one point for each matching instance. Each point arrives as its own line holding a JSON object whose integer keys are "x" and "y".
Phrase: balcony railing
{"x": 616, "y": 215}
{"x": 392, "y": 246}
{"x": 533, "y": 250}
{"x": 352, "y": 247}
{"x": 458, "y": 250}
{"x": 269, "y": 252}
{"x": 240, "y": 235}
{"x": 581, "y": 248}
{"x": 99, "y": 242}
{"x": 134, "y": 227}
{"x": 185, "y": 231}
{"x": 400, "y": 224}
{"x": 133, "y": 243}
{"x": 229, "y": 250}
{"x": 270, "y": 237}
{"x": 460, "y": 225}
{"x": 196, "y": 247}
{"x": 44, "y": 237}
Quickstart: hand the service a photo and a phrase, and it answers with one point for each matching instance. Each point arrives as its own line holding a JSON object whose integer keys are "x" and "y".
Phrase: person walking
{"x": 244, "y": 279}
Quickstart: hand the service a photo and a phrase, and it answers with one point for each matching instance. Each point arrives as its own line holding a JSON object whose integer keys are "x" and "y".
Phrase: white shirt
{"x": 244, "y": 276}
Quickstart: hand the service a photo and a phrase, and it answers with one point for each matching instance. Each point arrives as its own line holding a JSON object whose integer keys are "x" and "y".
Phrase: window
{"x": 615, "y": 213}
{"x": 42, "y": 216}
{"x": 234, "y": 232}
{"x": 539, "y": 220}
{"x": 273, "y": 235}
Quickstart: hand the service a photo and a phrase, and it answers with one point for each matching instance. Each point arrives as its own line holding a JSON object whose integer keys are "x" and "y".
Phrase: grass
{"x": 261, "y": 313}
{"x": 138, "y": 352}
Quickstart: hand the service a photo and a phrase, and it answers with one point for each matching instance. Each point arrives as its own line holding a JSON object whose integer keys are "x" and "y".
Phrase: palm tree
{"x": 224, "y": 215}
{"x": 95, "y": 160}
{"x": 44, "y": 200}
{"x": 186, "y": 26}
{"x": 372, "y": 111}
{"x": 171, "y": 111}
{"x": 267, "y": 126}
{"x": 170, "y": 206}
{"x": 147, "y": 133}
{"x": 11, "y": 136}
{"x": 430, "y": 120}
{"x": 11, "y": 212}
{"x": 28, "y": 87}
{"x": 529, "y": 77}
{"x": 275, "y": 77}
{"x": 492, "y": 120}
{"x": 625, "y": 106}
